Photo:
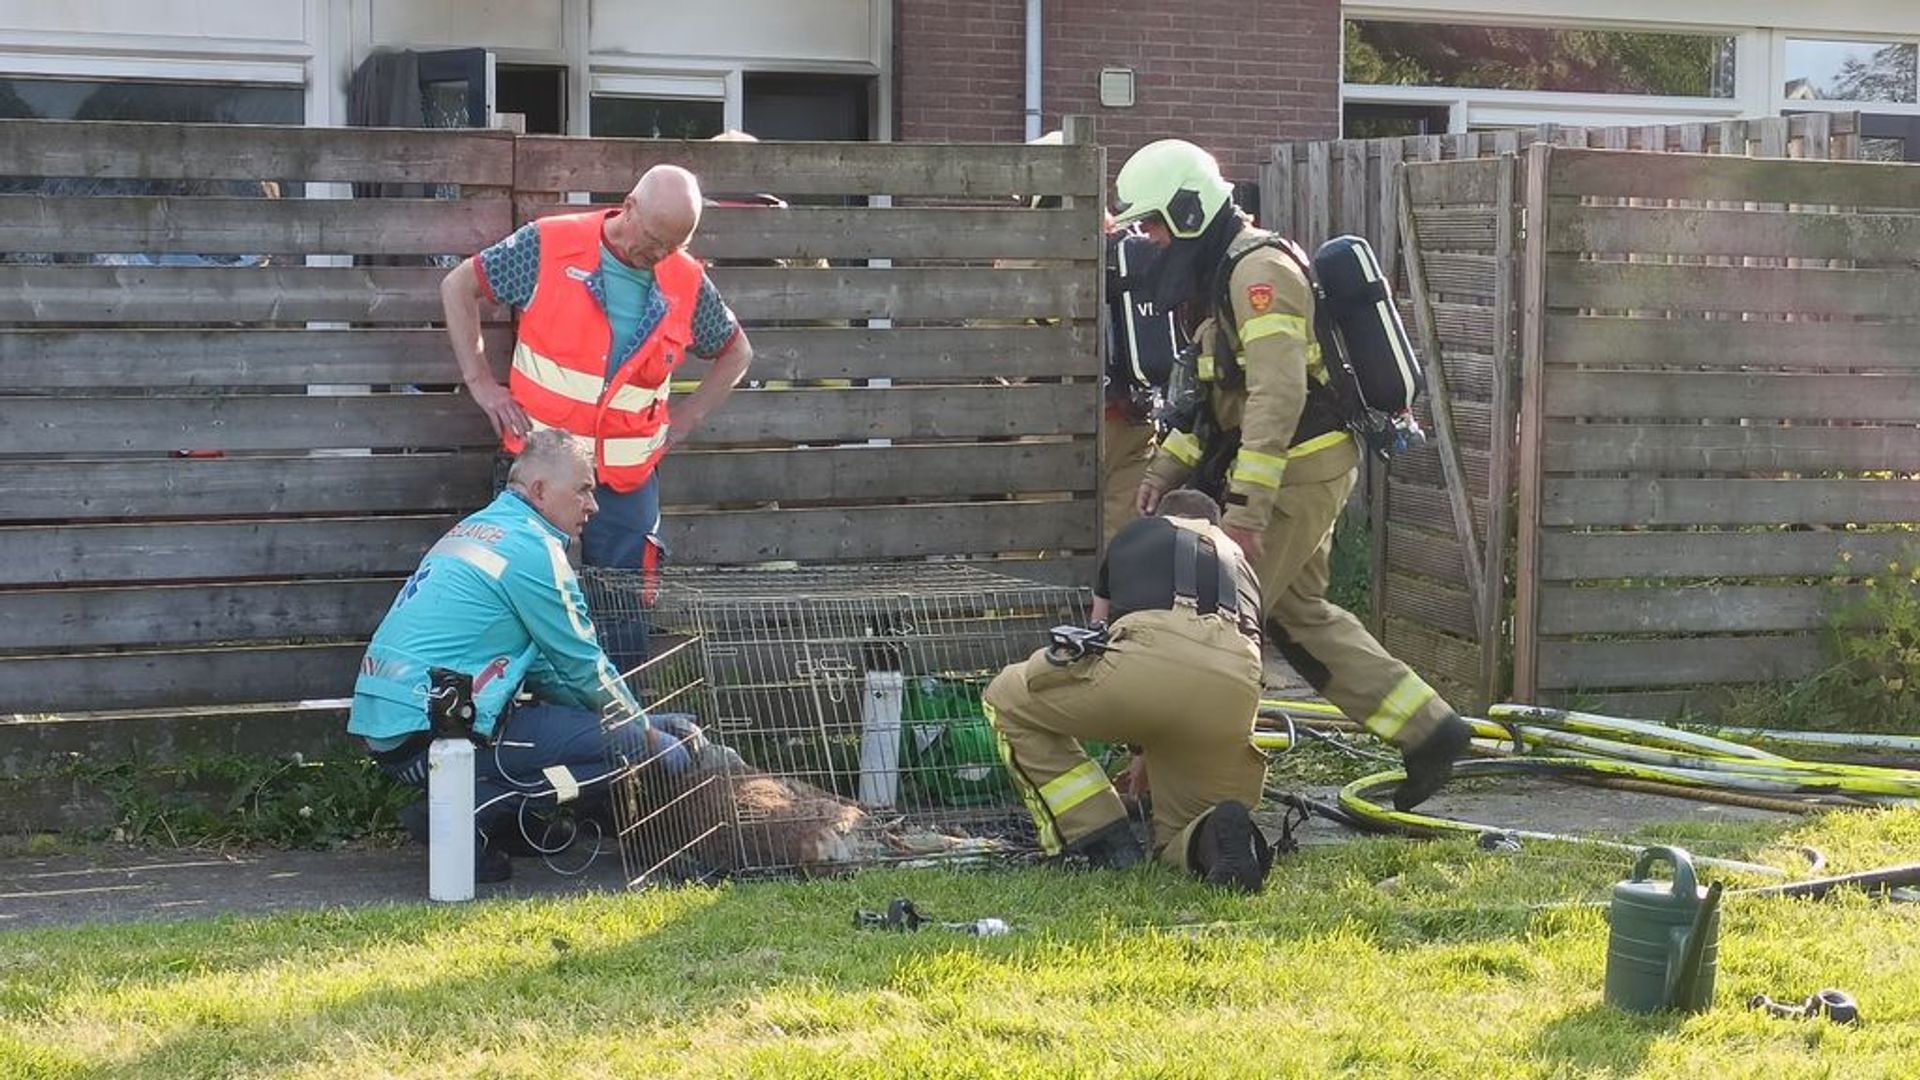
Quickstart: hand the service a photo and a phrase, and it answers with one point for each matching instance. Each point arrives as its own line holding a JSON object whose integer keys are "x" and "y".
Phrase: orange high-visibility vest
{"x": 560, "y": 360}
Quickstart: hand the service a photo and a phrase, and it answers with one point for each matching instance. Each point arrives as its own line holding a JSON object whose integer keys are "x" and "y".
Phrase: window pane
{"x": 200, "y": 103}
{"x": 1385, "y": 53}
{"x": 1367, "y": 120}
{"x": 656, "y": 118}
{"x": 1851, "y": 71}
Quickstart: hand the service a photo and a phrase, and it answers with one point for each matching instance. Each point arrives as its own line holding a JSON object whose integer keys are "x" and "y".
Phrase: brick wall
{"x": 960, "y": 70}
{"x": 1234, "y": 77}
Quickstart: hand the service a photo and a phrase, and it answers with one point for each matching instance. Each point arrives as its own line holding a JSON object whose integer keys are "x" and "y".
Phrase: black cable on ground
{"x": 1880, "y": 880}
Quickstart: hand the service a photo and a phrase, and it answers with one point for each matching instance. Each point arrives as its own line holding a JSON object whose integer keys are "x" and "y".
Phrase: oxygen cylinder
{"x": 450, "y": 834}
{"x": 880, "y": 739}
{"x": 1367, "y": 325}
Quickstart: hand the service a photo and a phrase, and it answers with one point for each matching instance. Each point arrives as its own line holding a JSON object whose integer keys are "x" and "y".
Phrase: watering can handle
{"x": 1686, "y": 950}
{"x": 1684, "y": 883}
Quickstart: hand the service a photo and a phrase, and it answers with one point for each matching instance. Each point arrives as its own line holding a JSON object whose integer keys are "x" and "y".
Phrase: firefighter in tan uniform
{"x": 1177, "y": 677}
{"x": 1272, "y": 439}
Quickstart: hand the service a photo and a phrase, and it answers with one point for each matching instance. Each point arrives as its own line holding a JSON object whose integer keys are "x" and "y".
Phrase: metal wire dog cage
{"x": 842, "y": 709}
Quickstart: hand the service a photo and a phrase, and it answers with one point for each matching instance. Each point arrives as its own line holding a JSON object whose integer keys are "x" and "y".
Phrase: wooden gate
{"x": 1441, "y": 533}
{"x": 1442, "y": 548}
{"x": 1719, "y": 422}
{"x": 1716, "y": 437}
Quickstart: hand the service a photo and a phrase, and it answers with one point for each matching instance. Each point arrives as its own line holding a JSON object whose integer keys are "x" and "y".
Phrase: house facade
{"x": 1235, "y": 77}
{"x": 1423, "y": 66}
{"x": 793, "y": 68}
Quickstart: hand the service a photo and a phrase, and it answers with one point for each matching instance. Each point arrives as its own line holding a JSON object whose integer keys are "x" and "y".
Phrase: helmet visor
{"x": 1125, "y": 213}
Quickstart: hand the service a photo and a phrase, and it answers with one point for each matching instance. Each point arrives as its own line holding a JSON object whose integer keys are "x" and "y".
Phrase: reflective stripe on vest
{"x": 561, "y": 356}
{"x": 630, "y": 452}
{"x": 622, "y": 452}
{"x": 1182, "y": 447}
{"x": 580, "y": 386}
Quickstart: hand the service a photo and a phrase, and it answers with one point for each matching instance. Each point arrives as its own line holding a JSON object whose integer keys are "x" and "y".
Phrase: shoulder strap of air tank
{"x": 1224, "y": 301}
{"x": 1228, "y": 602}
{"x": 1186, "y": 563}
{"x": 1189, "y": 548}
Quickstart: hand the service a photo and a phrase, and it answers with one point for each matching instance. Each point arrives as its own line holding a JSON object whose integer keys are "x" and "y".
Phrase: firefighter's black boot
{"x": 1429, "y": 763}
{"x": 1228, "y": 850}
{"x": 1113, "y": 847}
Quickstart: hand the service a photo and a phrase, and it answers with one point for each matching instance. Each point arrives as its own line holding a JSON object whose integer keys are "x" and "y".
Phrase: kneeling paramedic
{"x": 1272, "y": 442}
{"x": 1177, "y": 677}
{"x": 493, "y": 610}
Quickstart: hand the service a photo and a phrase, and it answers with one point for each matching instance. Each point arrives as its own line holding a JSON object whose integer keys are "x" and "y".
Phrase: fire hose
{"x": 1613, "y": 750}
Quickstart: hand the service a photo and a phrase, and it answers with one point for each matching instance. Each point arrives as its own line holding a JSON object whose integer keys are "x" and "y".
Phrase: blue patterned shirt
{"x": 510, "y": 269}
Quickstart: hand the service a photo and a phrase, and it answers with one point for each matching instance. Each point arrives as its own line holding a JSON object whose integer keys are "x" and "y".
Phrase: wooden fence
{"x": 1713, "y": 378}
{"x": 198, "y": 511}
{"x": 1312, "y": 191}
{"x": 1441, "y": 554}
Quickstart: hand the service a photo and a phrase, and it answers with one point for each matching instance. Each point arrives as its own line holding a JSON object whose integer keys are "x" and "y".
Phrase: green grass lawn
{"x": 1446, "y": 971}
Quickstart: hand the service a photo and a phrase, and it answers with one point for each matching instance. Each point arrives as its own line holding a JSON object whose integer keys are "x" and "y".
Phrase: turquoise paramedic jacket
{"x": 494, "y": 598}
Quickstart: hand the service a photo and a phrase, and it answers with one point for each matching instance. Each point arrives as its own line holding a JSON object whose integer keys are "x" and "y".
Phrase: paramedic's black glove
{"x": 676, "y": 739}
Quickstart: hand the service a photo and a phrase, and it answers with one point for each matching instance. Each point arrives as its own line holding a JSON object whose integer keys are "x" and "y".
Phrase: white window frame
{"x": 710, "y": 84}
{"x": 1777, "y": 75}
{"x": 291, "y": 72}
{"x": 1472, "y": 108}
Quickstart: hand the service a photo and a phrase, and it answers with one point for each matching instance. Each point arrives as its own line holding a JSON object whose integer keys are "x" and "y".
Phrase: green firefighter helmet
{"x": 1177, "y": 181}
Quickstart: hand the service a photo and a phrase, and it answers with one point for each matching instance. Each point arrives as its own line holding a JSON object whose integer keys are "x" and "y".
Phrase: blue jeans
{"x": 618, "y": 533}
{"x": 558, "y": 735}
{"x": 617, "y": 537}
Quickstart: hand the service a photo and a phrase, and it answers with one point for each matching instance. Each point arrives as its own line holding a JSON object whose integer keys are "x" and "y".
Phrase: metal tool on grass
{"x": 1835, "y": 1005}
{"x": 903, "y": 916}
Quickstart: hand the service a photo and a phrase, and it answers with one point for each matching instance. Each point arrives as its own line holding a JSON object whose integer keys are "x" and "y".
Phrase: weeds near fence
{"x": 215, "y": 800}
{"x": 1872, "y": 644}
{"x": 1350, "y": 574}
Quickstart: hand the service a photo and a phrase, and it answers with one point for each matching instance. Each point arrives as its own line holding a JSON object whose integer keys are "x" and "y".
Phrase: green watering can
{"x": 1664, "y": 948}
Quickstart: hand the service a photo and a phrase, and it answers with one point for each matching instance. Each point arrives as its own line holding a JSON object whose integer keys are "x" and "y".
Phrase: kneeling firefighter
{"x": 1268, "y": 432}
{"x": 1177, "y": 677}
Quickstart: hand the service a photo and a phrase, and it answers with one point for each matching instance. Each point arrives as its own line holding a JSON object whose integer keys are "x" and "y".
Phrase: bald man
{"x": 610, "y": 306}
